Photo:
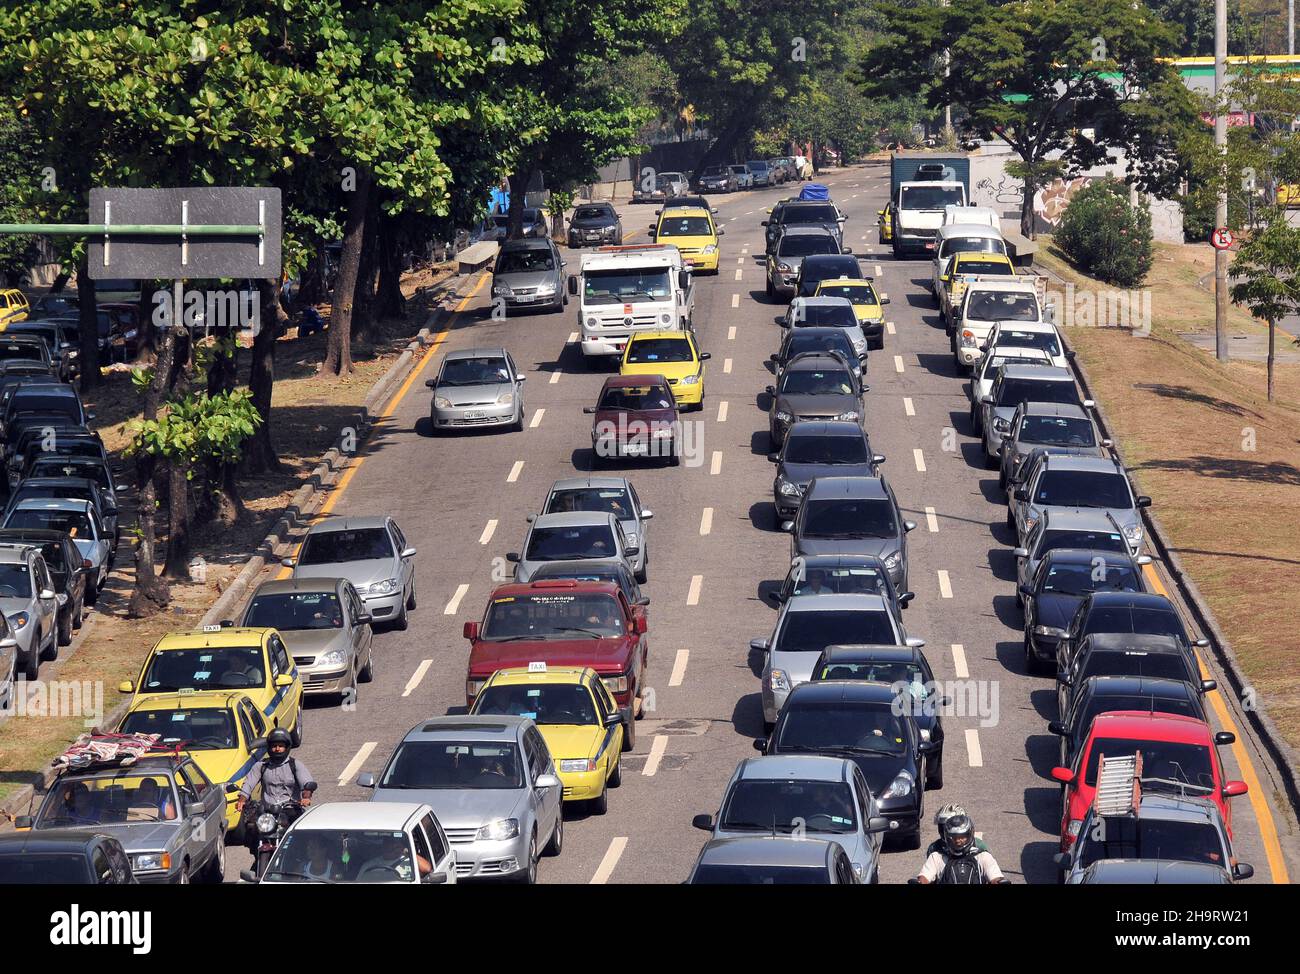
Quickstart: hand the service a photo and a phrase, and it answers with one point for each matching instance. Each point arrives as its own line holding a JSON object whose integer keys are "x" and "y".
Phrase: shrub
{"x": 1105, "y": 236}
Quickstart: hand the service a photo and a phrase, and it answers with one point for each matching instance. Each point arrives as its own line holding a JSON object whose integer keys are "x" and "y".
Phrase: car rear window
{"x": 825, "y": 315}
{"x": 1090, "y": 540}
{"x": 809, "y": 214}
{"x": 813, "y": 631}
{"x": 577, "y": 541}
{"x": 1016, "y": 391}
{"x": 806, "y": 448}
{"x": 1189, "y": 763}
{"x": 1135, "y": 662}
{"x": 1057, "y": 431}
{"x": 802, "y": 245}
{"x": 845, "y": 518}
{"x": 1083, "y": 488}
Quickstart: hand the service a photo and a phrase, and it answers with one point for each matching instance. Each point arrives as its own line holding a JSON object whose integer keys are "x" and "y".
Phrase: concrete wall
{"x": 991, "y": 186}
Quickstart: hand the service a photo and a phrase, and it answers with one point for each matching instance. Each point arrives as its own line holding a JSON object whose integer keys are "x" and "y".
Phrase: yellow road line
{"x": 1263, "y": 814}
{"x": 332, "y": 500}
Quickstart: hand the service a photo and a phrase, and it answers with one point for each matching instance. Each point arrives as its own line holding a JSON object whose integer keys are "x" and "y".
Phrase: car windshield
{"x": 1044, "y": 341}
{"x": 15, "y": 582}
{"x": 486, "y": 765}
{"x": 787, "y": 806}
{"x": 976, "y": 265}
{"x": 753, "y": 874}
{"x": 803, "y": 382}
{"x": 823, "y": 315}
{"x": 843, "y": 518}
{"x": 636, "y": 398}
{"x": 715, "y": 171}
{"x": 862, "y": 728}
{"x": 606, "y": 500}
{"x": 893, "y": 672}
{"x": 1088, "y": 540}
{"x": 804, "y": 244}
{"x": 1107, "y": 703}
{"x": 1145, "y": 838}
{"x": 1100, "y": 576}
{"x": 1057, "y": 431}
{"x": 206, "y": 668}
{"x": 1083, "y": 488}
{"x": 593, "y": 213}
{"x": 524, "y": 261}
{"x": 1016, "y": 391}
{"x": 859, "y": 294}
{"x": 16, "y": 350}
{"x": 542, "y": 703}
{"x": 202, "y": 729}
{"x": 295, "y": 610}
{"x": 971, "y": 245}
{"x": 117, "y": 799}
{"x": 826, "y": 449}
{"x": 482, "y": 370}
{"x": 659, "y": 351}
{"x": 74, "y": 523}
{"x": 813, "y": 631}
{"x": 1151, "y": 622}
{"x": 685, "y": 226}
{"x": 931, "y": 197}
{"x": 312, "y": 855}
{"x": 991, "y": 362}
{"x": 52, "y": 491}
{"x": 625, "y": 287}
{"x": 822, "y": 213}
{"x": 738, "y": 170}
{"x": 1135, "y": 662}
{"x": 1188, "y": 763}
{"x": 758, "y": 166}
{"x": 554, "y": 615}
{"x": 1002, "y": 306}
{"x": 576, "y": 541}
{"x": 58, "y": 468}
{"x": 840, "y": 581}
{"x": 339, "y": 547}
{"x": 44, "y": 869}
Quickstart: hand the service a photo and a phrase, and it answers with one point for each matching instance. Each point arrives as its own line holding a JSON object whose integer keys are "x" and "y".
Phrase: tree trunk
{"x": 219, "y": 501}
{"x": 146, "y": 347}
{"x": 390, "y": 302}
{"x": 363, "y": 315}
{"x": 519, "y": 183}
{"x": 312, "y": 288}
{"x": 1027, "y": 221}
{"x": 89, "y": 327}
{"x": 1272, "y": 338}
{"x": 176, "y": 565}
{"x": 259, "y": 451}
{"x": 60, "y": 282}
{"x": 338, "y": 348}
{"x": 151, "y": 593}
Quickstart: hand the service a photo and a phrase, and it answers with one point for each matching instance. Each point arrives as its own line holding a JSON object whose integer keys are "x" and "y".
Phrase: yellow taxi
{"x": 254, "y": 661}
{"x": 579, "y": 721}
{"x": 672, "y": 354}
{"x": 1288, "y": 195}
{"x": 223, "y": 733}
{"x": 868, "y": 304}
{"x": 692, "y": 231}
{"x": 13, "y": 306}
{"x": 885, "y": 218}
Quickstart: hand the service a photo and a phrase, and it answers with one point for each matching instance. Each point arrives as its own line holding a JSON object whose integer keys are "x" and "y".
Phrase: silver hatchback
{"x": 372, "y": 554}
{"x": 30, "y": 605}
{"x": 477, "y": 388}
{"x": 569, "y": 537}
{"x": 611, "y": 495}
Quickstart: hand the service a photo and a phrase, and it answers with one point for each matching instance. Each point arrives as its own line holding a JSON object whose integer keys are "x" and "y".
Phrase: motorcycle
{"x": 270, "y": 822}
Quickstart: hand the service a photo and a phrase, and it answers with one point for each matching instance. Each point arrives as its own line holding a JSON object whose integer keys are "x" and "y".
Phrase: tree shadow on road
{"x": 1187, "y": 394}
{"x": 1254, "y": 471}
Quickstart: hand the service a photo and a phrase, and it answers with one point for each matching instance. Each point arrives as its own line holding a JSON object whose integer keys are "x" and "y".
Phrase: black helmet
{"x": 279, "y": 736}
{"x": 959, "y": 835}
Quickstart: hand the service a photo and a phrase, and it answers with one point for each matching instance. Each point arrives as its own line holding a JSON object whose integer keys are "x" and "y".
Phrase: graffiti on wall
{"x": 1050, "y": 201}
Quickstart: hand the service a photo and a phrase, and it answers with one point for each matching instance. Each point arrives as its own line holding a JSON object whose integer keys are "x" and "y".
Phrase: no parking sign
{"x": 1221, "y": 238}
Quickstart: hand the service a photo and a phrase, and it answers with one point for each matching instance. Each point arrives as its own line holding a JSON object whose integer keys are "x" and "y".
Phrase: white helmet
{"x": 947, "y": 812}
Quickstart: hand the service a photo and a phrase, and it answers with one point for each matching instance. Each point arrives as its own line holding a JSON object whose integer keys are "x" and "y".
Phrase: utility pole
{"x": 1290, "y": 26}
{"x": 1221, "y": 145}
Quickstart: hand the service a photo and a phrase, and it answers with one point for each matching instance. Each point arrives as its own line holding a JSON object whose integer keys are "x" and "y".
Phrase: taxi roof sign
{"x": 537, "y": 666}
{"x": 211, "y": 629}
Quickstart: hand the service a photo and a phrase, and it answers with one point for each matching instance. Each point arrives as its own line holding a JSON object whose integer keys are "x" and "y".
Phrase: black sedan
{"x": 595, "y": 223}
{"x": 1108, "y": 694}
{"x": 64, "y": 857}
{"x": 860, "y": 720}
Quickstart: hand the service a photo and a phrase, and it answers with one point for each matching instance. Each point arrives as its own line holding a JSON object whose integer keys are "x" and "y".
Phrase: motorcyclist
{"x": 941, "y": 816}
{"x": 283, "y": 778}
{"x": 959, "y": 862}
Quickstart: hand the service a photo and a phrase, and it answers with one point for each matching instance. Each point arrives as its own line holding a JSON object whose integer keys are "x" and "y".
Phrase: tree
{"x": 1036, "y": 73}
{"x": 1267, "y": 269}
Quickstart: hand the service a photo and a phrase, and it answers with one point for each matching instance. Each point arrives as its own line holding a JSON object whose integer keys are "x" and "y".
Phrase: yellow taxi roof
{"x": 684, "y": 211}
{"x": 979, "y": 255}
{"x": 191, "y": 700}
{"x": 215, "y": 637}
{"x": 645, "y": 336}
{"x": 552, "y": 674}
{"x": 846, "y": 282}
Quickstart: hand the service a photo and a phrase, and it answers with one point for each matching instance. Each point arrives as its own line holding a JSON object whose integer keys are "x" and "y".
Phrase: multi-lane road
{"x": 716, "y": 553}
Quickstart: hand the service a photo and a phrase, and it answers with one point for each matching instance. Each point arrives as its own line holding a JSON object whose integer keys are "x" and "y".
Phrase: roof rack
{"x": 98, "y": 750}
{"x": 1119, "y": 792}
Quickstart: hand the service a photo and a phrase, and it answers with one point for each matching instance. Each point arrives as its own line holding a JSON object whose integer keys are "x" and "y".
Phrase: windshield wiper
{"x": 589, "y": 632}
{"x": 852, "y": 749}
{"x": 310, "y": 879}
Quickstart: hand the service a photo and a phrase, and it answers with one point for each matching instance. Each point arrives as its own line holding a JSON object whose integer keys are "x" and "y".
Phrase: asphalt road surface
{"x": 715, "y": 553}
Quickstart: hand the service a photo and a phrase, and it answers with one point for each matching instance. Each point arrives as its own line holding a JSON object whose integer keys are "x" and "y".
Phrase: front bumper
{"x": 521, "y": 301}
{"x": 786, "y": 506}
{"x": 604, "y": 347}
{"x": 783, "y": 284}
{"x": 992, "y": 442}
{"x": 383, "y": 606}
{"x": 909, "y": 244}
{"x": 704, "y": 262}
{"x": 688, "y": 395}
{"x": 325, "y": 681}
{"x": 581, "y": 786}
{"x": 473, "y": 418}
{"x": 874, "y": 329}
{"x": 655, "y": 448}
{"x": 905, "y": 811}
{"x": 969, "y": 355}
{"x": 1043, "y": 647}
{"x": 579, "y": 238}
{"x": 486, "y": 858}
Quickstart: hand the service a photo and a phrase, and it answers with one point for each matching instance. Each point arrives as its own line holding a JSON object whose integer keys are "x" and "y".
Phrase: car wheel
{"x": 600, "y": 804}
{"x": 78, "y": 616}
{"x": 410, "y": 599}
{"x": 771, "y": 293}
{"x": 32, "y": 665}
{"x": 295, "y": 735}
{"x": 518, "y": 425}
{"x": 556, "y": 845}
{"x": 215, "y": 870}
{"x": 1031, "y": 664}
{"x": 92, "y": 593}
{"x": 528, "y": 875}
{"x": 934, "y": 780}
{"x": 367, "y": 673}
{"x": 65, "y": 630}
{"x": 184, "y": 878}
{"x": 616, "y": 778}
{"x": 1011, "y": 518}
{"x": 51, "y": 649}
{"x": 643, "y": 574}
{"x": 400, "y": 623}
{"x": 975, "y": 420}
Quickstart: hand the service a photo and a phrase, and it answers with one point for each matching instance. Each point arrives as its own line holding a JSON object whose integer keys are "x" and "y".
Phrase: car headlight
{"x": 1055, "y": 632}
{"x": 1133, "y": 532}
{"x": 615, "y": 684}
{"x": 143, "y": 861}
{"x": 893, "y": 560}
{"x": 968, "y": 339}
{"x": 860, "y": 871}
{"x": 901, "y": 786}
{"x": 851, "y": 414}
{"x": 442, "y": 402}
{"x": 690, "y": 380}
{"x": 577, "y": 764}
{"x": 505, "y": 398}
{"x": 1030, "y": 522}
{"x": 610, "y": 231}
{"x": 779, "y": 680}
{"x": 502, "y": 290}
{"x": 19, "y": 620}
{"x": 783, "y": 417}
{"x": 788, "y": 489}
{"x": 335, "y": 657}
{"x": 501, "y": 829}
{"x": 784, "y": 268}
{"x": 472, "y": 687}
{"x": 710, "y": 249}
{"x": 546, "y": 288}
{"x": 266, "y": 823}
{"x": 386, "y": 587}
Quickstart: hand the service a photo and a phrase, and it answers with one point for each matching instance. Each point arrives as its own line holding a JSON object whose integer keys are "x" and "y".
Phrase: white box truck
{"x": 622, "y": 290}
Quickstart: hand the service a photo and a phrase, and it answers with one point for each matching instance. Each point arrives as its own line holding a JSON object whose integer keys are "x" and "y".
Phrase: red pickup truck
{"x": 563, "y": 622}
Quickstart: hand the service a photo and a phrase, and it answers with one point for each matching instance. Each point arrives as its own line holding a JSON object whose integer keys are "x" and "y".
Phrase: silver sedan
{"x": 477, "y": 388}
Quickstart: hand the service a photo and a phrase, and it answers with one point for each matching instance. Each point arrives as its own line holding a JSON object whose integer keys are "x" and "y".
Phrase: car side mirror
{"x": 521, "y": 377}
{"x": 284, "y": 680}
{"x": 1208, "y": 685}
{"x": 770, "y": 390}
{"x": 721, "y": 231}
{"x": 878, "y": 823}
{"x": 364, "y": 619}
{"x": 546, "y": 781}
{"x": 1021, "y": 552}
{"x": 760, "y": 745}
{"x": 703, "y": 822}
{"x": 647, "y": 514}
{"x": 1021, "y": 494}
{"x": 847, "y": 250}
{"x": 247, "y": 876}
{"x": 1144, "y": 559}
{"x": 632, "y": 549}
{"x": 764, "y": 223}
{"x": 408, "y": 553}
{"x": 1224, "y": 738}
{"x": 787, "y": 526}
{"x": 774, "y": 458}
{"x": 512, "y": 556}
{"x": 126, "y": 686}
{"x": 256, "y": 743}
{"x": 925, "y": 747}
{"x": 884, "y": 300}
{"x": 1063, "y": 775}
{"x": 1058, "y": 728}
{"x": 986, "y": 400}
{"x": 434, "y": 879}
{"x": 1026, "y": 590}
{"x": 705, "y": 356}
{"x": 1201, "y": 643}
{"x": 431, "y": 383}
{"x": 1235, "y": 789}
{"x": 877, "y": 458}
{"x": 1089, "y": 403}
{"x": 470, "y": 631}
{"x": 1143, "y": 501}
{"x": 759, "y": 645}
{"x": 613, "y": 718}
{"x": 589, "y": 410}
{"x": 909, "y": 525}
{"x": 573, "y": 284}
{"x": 914, "y": 642}
{"x": 286, "y": 562}
{"x": 1243, "y": 870}
{"x": 194, "y": 810}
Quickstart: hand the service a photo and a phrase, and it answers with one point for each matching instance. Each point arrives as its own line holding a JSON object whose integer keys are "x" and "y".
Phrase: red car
{"x": 1174, "y": 749}
{"x": 563, "y": 622}
{"x": 636, "y": 416}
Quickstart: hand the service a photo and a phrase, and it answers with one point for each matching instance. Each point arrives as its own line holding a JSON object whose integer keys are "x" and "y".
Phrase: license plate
{"x": 929, "y": 246}
{"x": 475, "y": 414}
{"x": 635, "y": 448}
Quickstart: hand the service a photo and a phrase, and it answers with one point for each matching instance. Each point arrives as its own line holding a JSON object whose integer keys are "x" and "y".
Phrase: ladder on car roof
{"x": 1119, "y": 791}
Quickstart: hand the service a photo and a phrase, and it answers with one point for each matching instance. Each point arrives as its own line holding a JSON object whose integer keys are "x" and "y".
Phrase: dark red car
{"x": 563, "y": 622}
{"x": 636, "y": 416}
{"x": 1178, "y": 753}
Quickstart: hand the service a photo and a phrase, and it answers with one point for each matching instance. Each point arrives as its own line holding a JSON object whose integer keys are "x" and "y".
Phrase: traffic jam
{"x": 789, "y": 691}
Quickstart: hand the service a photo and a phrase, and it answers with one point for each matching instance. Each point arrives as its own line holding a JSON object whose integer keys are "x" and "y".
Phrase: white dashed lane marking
{"x": 612, "y": 855}
{"x": 907, "y": 406}
{"x": 555, "y": 377}
{"x": 959, "y": 662}
{"x": 739, "y": 273}
{"x": 454, "y": 605}
{"x": 657, "y": 748}
{"x": 488, "y": 531}
{"x": 706, "y": 521}
{"x": 515, "y": 471}
{"x": 973, "y": 753}
{"x": 357, "y": 761}
{"x": 693, "y": 593}
{"x": 573, "y": 337}
{"x": 722, "y": 411}
{"x": 679, "y": 668}
{"x": 537, "y": 419}
{"x": 898, "y": 363}
{"x": 731, "y": 333}
{"x": 879, "y": 272}
{"x": 920, "y": 460}
{"x": 416, "y": 677}
{"x": 726, "y": 366}
{"x": 715, "y": 466}
{"x": 945, "y": 585}
{"x": 889, "y": 327}
{"x": 931, "y": 520}
{"x": 735, "y": 300}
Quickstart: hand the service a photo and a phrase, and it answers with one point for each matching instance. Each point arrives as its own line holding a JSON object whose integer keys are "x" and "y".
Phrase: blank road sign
{"x": 170, "y": 256}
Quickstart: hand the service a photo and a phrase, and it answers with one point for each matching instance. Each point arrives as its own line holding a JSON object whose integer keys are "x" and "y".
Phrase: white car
{"x": 981, "y": 383}
{"x": 362, "y": 842}
{"x": 1025, "y": 335}
{"x": 827, "y": 312}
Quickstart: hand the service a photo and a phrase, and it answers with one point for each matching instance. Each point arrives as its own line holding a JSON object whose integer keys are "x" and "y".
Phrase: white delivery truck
{"x": 622, "y": 290}
{"x": 990, "y": 299}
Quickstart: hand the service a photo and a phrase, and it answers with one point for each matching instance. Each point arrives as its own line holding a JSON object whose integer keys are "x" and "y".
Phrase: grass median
{"x": 1221, "y": 463}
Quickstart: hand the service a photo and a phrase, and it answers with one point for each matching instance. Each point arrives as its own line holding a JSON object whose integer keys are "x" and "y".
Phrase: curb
{"x": 1282, "y": 756}
{"x": 305, "y": 500}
